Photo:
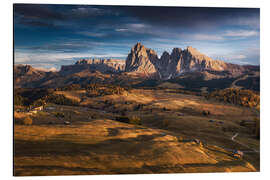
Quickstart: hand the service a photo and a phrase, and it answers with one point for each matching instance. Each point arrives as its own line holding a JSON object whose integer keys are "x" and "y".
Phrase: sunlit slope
{"x": 109, "y": 147}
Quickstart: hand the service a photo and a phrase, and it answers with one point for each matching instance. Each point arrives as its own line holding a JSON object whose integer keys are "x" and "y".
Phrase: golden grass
{"x": 101, "y": 145}
{"x": 109, "y": 147}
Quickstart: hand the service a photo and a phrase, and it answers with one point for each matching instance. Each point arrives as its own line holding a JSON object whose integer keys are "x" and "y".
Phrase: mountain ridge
{"x": 186, "y": 67}
{"x": 142, "y": 59}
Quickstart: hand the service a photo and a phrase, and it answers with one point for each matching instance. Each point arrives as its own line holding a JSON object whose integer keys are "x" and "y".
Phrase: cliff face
{"x": 24, "y": 75}
{"x": 101, "y": 65}
{"x": 141, "y": 60}
{"x": 188, "y": 60}
{"x": 144, "y": 60}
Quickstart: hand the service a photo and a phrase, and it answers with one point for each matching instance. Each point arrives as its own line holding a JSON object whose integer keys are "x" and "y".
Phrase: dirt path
{"x": 233, "y": 85}
{"x": 253, "y": 150}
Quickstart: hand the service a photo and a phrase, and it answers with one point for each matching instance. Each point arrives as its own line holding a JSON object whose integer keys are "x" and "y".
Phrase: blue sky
{"x": 49, "y": 36}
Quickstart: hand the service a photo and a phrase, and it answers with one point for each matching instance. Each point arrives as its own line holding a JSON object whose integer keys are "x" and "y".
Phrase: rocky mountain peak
{"x": 138, "y": 46}
{"x": 176, "y": 52}
{"x": 145, "y": 60}
{"x": 24, "y": 69}
{"x": 140, "y": 60}
{"x": 193, "y": 51}
{"x": 165, "y": 54}
{"x": 190, "y": 48}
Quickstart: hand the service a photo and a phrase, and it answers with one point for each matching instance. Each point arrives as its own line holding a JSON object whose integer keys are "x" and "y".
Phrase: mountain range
{"x": 143, "y": 67}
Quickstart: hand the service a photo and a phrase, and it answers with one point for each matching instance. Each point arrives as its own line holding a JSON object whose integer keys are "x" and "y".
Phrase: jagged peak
{"x": 138, "y": 46}
{"x": 190, "y": 48}
{"x": 177, "y": 50}
{"x": 151, "y": 51}
{"x": 193, "y": 51}
{"x": 165, "y": 53}
{"x": 25, "y": 67}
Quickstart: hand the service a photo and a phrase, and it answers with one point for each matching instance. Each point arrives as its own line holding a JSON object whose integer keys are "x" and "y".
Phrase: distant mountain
{"x": 141, "y": 60}
{"x": 25, "y": 75}
{"x": 101, "y": 65}
{"x": 188, "y": 68}
{"x": 144, "y": 60}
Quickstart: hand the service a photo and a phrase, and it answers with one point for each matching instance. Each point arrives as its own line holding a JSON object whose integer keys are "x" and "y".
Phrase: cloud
{"x": 206, "y": 37}
{"x": 88, "y": 11}
{"x": 135, "y": 28}
{"x": 92, "y": 34}
{"x": 244, "y": 56}
{"x": 38, "y": 15}
{"x": 234, "y": 57}
{"x": 221, "y": 36}
{"x": 122, "y": 30}
{"x": 251, "y": 21}
{"x": 192, "y": 17}
{"x": 33, "y": 22}
{"x": 37, "y": 11}
{"x": 241, "y": 33}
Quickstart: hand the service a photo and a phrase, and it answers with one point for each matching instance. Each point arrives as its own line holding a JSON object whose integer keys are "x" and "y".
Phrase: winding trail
{"x": 234, "y": 136}
{"x": 233, "y": 85}
{"x": 253, "y": 150}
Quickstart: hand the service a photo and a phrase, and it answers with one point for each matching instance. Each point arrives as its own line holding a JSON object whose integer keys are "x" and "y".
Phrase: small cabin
{"x": 40, "y": 108}
{"x": 67, "y": 123}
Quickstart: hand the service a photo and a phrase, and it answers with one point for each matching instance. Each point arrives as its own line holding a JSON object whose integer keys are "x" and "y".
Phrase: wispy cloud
{"x": 121, "y": 29}
{"x": 245, "y": 56}
{"x": 135, "y": 28}
{"x": 207, "y": 37}
{"x": 241, "y": 33}
{"x": 92, "y": 34}
{"x": 252, "y": 21}
{"x": 221, "y": 36}
{"x": 87, "y": 11}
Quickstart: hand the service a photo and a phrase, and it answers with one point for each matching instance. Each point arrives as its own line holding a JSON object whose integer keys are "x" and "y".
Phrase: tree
{"x": 27, "y": 121}
{"x": 38, "y": 102}
{"x": 18, "y": 100}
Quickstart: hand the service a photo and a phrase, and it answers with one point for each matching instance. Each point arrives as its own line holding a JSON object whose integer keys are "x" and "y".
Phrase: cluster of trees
{"x": 131, "y": 120}
{"x": 196, "y": 82}
{"x": 93, "y": 87}
{"x": 71, "y": 87}
{"x": 18, "y": 100}
{"x": 39, "y": 97}
{"x": 247, "y": 98}
{"x": 31, "y": 96}
{"x": 94, "y": 90}
{"x": 60, "y": 99}
{"x": 252, "y": 83}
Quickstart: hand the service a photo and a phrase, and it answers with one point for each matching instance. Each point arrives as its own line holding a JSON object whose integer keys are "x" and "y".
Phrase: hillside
{"x": 166, "y": 141}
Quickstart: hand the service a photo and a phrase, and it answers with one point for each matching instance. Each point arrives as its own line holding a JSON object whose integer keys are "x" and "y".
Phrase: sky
{"x": 48, "y": 36}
